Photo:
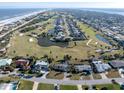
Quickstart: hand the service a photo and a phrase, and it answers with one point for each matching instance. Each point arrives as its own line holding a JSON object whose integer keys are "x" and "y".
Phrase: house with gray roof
{"x": 61, "y": 67}
{"x": 81, "y": 68}
{"x": 99, "y": 66}
{"x": 116, "y": 64}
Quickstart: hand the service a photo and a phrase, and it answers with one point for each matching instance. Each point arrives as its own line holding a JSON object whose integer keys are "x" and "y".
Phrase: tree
{"x": 100, "y": 45}
{"x": 43, "y": 34}
{"x": 50, "y": 52}
{"x": 104, "y": 88}
{"x": 14, "y": 51}
{"x": 50, "y": 60}
{"x": 45, "y": 56}
{"x": 75, "y": 43}
{"x": 114, "y": 81}
{"x": 27, "y": 55}
{"x": 56, "y": 56}
{"x": 76, "y": 59}
{"x": 67, "y": 57}
{"x": 94, "y": 87}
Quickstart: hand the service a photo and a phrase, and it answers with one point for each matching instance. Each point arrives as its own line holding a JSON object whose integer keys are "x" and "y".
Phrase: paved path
{"x": 35, "y": 86}
{"x": 79, "y": 87}
{"x": 88, "y": 42}
{"x": 44, "y": 75}
{"x": 65, "y": 76}
{"x": 91, "y": 76}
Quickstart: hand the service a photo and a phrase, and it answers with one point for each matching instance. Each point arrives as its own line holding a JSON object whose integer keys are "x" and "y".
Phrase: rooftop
{"x": 117, "y": 63}
{"x": 4, "y": 62}
{"x": 40, "y": 62}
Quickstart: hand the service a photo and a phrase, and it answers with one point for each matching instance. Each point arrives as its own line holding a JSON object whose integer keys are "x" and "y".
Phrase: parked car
{"x": 39, "y": 75}
{"x": 28, "y": 77}
{"x": 20, "y": 75}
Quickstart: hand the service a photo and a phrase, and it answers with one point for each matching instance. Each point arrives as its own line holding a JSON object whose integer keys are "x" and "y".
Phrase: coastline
{"x": 14, "y": 19}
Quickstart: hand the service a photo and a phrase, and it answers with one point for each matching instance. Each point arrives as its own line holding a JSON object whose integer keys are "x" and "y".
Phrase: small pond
{"x": 101, "y": 38}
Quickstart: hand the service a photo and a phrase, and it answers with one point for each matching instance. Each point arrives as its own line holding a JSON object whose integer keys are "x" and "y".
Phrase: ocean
{"x": 11, "y": 13}
{"x": 119, "y": 11}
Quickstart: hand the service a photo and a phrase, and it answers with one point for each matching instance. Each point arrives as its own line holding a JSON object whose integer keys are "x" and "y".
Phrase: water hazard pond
{"x": 101, "y": 38}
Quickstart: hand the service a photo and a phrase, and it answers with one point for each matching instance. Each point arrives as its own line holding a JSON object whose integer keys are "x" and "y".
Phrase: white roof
{"x": 4, "y": 62}
{"x": 40, "y": 62}
{"x": 97, "y": 61}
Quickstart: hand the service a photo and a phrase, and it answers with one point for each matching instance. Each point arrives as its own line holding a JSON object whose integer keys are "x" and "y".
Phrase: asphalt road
{"x": 75, "y": 82}
{"x": 70, "y": 82}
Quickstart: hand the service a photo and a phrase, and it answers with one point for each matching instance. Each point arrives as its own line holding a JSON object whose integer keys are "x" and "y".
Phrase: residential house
{"x": 4, "y": 62}
{"x": 82, "y": 68}
{"x": 64, "y": 67}
{"x": 116, "y": 64}
{"x": 99, "y": 66}
{"x": 2, "y": 51}
{"x": 23, "y": 64}
{"x": 41, "y": 66}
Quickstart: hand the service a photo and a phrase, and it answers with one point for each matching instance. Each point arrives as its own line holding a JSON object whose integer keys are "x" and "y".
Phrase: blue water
{"x": 14, "y": 86}
{"x": 102, "y": 39}
{"x": 107, "y": 10}
{"x": 10, "y": 13}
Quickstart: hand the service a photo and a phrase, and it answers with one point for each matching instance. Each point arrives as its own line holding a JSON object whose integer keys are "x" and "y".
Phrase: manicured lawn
{"x": 81, "y": 51}
{"x": 89, "y": 31}
{"x": 109, "y": 86}
{"x": 96, "y": 76}
{"x": 85, "y": 86}
{"x": 113, "y": 74}
{"x": 68, "y": 87}
{"x": 55, "y": 75}
{"x": 25, "y": 85}
{"x": 42, "y": 86}
{"x": 33, "y": 49}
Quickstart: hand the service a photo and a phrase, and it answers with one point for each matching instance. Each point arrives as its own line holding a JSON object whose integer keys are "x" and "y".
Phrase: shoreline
{"x": 14, "y": 19}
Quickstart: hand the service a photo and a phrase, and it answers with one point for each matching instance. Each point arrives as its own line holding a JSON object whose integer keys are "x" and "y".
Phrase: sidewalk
{"x": 79, "y": 87}
{"x": 35, "y": 86}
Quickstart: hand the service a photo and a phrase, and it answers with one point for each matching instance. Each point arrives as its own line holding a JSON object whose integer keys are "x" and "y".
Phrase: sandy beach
{"x": 14, "y": 19}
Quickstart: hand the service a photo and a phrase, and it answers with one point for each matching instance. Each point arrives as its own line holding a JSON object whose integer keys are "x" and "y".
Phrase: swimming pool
{"x": 8, "y": 86}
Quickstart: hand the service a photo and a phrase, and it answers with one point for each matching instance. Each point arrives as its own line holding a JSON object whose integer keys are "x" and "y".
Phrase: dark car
{"x": 20, "y": 75}
{"x": 28, "y": 77}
